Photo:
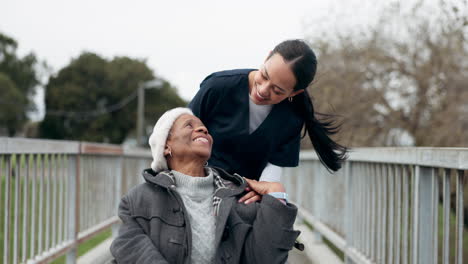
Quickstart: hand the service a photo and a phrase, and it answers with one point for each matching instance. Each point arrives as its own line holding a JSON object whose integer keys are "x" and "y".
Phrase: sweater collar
{"x": 194, "y": 186}
{"x": 226, "y": 183}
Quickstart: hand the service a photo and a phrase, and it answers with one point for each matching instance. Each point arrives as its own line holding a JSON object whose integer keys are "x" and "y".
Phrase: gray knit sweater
{"x": 197, "y": 195}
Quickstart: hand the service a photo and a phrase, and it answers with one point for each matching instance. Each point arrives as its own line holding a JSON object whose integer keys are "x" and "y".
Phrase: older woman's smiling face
{"x": 189, "y": 138}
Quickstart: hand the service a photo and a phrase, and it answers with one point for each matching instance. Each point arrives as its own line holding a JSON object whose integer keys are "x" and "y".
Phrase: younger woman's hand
{"x": 256, "y": 189}
{"x": 250, "y": 197}
{"x": 264, "y": 187}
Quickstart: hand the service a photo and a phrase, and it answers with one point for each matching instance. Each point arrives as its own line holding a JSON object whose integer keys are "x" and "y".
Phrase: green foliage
{"x": 157, "y": 101}
{"x": 18, "y": 79}
{"x": 12, "y": 105}
{"x": 79, "y": 99}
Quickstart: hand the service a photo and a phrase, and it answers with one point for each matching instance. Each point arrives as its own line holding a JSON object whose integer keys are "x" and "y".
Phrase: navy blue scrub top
{"x": 222, "y": 103}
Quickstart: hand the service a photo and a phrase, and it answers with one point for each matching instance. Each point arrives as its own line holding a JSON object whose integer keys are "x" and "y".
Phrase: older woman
{"x": 187, "y": 212}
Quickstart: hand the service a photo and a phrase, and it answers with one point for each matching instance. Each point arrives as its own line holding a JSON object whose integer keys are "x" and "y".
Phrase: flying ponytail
{"x": 304, "y": 66}
{"x": 330, "y": 153}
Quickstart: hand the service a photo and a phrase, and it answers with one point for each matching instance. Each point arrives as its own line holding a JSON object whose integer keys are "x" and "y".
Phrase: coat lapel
{"x": 221, "y": 218}
{"x": 228, "y": 196}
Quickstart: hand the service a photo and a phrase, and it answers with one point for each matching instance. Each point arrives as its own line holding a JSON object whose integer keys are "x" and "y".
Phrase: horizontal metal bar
{"x": 331, "y": 235}
{"x": 63, "y": 248}
{"x": 45, "y": 146}
{"x": 334, "y": 238}
{"x": 54, "y": 253}
{"x": 454, "y": 158}
{"x": 94, "y": 148}
{"x": 87, "y": 234}
{"x": 25, "y": 145}
{"x": 356, "y": 256}
{"x": 136, "y": 152}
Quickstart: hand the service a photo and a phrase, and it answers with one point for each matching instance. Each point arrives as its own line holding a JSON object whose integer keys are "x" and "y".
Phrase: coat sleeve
{"x": 272, "y": 236}
{"x": 132, "y": 244}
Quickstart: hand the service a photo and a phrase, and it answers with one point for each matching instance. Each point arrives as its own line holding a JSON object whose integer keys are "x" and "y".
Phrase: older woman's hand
{"x": 260, "y": 188}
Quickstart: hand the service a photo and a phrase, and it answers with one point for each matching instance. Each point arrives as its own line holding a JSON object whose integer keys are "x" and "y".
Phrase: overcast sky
{"x": 182, "y": 41}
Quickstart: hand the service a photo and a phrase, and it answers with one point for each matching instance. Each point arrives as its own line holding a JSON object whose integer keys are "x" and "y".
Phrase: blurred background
{"x": 395, "y": 72}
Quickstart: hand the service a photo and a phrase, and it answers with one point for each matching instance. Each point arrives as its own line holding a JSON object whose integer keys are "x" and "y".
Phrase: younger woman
{"x": 256, "y": 115}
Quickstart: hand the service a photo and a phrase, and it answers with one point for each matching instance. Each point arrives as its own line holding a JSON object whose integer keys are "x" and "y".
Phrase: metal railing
{"x": 57, "y": 194}
{"x": 387, "y": 205}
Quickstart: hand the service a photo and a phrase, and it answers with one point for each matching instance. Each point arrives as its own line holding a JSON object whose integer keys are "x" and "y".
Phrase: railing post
{"x": 7, "y": 234}
{"x": 298, "y": 175}
{"x": 299, "y": 179}
{"x": 319, "y": 194}
{"x": 459, "y": 212}
{"x": 118, "y": 192}
{"x": 317, "y": 209}
{"x": 349, "y": 210}
{"x": 74, "y": 200}
{"x": 423, "y": 221}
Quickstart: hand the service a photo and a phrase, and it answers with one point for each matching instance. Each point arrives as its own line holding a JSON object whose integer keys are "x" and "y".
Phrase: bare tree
{"x": 402, "y": 81}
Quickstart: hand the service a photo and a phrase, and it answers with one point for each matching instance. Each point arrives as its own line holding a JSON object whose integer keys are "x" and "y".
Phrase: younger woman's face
{"x": 273, "y": 82}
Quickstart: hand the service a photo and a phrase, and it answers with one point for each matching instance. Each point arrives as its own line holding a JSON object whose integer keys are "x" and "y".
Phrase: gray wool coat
{"x": 156, "y": 228}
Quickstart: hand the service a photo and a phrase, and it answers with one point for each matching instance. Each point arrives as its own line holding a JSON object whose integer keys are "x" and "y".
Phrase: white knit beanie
{"x": 158, "y": 138}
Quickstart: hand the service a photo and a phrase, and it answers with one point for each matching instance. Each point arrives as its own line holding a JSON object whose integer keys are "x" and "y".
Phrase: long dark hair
{"x": 304, "y": 66}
